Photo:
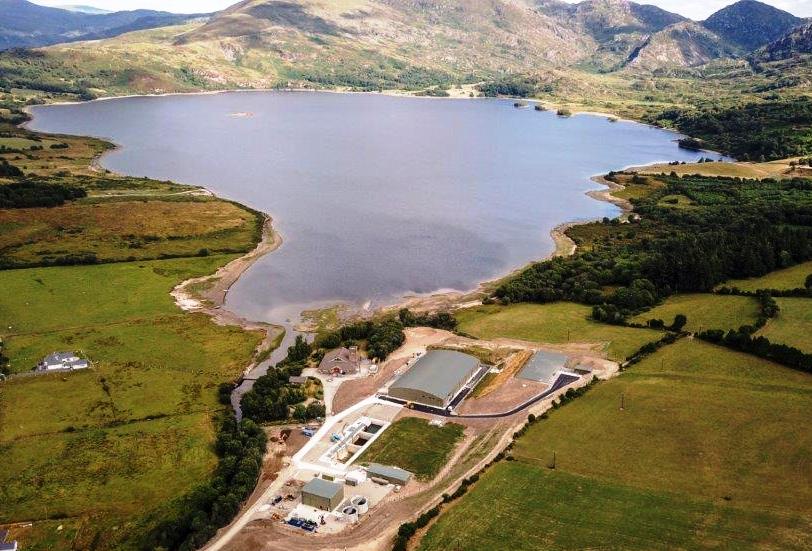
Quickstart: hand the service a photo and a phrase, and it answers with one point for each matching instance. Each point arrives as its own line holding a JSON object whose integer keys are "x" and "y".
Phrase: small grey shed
{"x": 322, "y": 494}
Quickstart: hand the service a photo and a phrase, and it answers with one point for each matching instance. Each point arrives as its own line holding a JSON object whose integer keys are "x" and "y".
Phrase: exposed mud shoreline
{"x": 207, "y": 294}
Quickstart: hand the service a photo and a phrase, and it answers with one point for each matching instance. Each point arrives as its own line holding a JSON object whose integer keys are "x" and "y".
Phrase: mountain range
{"x": 23, "y": 24}
{"x": 395, "y": 43}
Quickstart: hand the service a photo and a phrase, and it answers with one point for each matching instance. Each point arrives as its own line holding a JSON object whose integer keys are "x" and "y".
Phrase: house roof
{"x": 439, "y": 373}
{"x": 294, "y": 380}
{"x": 322, "y": 488}
{"x": 8, "y": 546}
{"x": 376, "y": 469}
{"x": 59, "y": 357}
{"x": 342, "y": 358}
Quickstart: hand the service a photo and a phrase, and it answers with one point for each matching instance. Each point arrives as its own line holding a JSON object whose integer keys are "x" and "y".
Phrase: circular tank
{"x": 350, "y": 514}
{"x": 361, "y": 504}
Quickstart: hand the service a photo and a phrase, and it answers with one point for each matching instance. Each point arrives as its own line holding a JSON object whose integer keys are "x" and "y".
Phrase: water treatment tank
{"x": 361, "y": 504}
{"x": 350, "y": 514}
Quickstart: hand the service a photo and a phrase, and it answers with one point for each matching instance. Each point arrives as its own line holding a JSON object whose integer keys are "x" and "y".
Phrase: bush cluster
{"x": 31, "y": 194}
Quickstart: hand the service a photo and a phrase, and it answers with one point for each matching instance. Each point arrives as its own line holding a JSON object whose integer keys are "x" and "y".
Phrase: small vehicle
{"x": 277, "y": 500}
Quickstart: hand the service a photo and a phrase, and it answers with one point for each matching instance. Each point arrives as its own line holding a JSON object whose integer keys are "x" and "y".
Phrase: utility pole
{"x": 553, "y": 464}
{"x": 622, "y": 401}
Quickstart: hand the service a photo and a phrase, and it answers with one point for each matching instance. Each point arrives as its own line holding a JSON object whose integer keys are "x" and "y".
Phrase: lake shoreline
{"x": 440, "y": 299}
{"x": 564, "y": 246}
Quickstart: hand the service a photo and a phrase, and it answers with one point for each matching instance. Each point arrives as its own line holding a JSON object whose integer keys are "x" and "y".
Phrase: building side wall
{"x": 414, "y": 395}
{"x": 316, "y": 501}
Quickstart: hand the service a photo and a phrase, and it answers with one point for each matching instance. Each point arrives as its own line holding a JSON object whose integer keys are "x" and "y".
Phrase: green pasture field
{"x": 711, "y": 451}
{"x": 788, "y": 278}
{"x": 705, "y": 311}
{"x": 555, "y": 323}
{"x": 117, "y": 441}
{"x": 412, "y": 444}
{"x": 793, "y": 325}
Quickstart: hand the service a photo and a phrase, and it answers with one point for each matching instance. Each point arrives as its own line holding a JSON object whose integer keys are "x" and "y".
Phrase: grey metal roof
{"x": 376, "y": 469}
{"x": 542, "y": 366}
{"x": 58, "y": 357}
{"x": 322, "y": 488}
{"x": 8, "y": 546}
{"x": 439, "y": 373}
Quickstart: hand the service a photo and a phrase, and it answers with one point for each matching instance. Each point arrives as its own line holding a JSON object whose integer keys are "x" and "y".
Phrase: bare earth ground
{"x": 378, "y": 527}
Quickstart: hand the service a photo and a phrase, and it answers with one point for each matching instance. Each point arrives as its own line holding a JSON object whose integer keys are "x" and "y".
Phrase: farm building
{"x": 322, "y": 494}
{"x": 393, "y": 475}
{"x": 341, "y": 361}
{"x": 60, "y": 361}
{"x": 436, "y": 378}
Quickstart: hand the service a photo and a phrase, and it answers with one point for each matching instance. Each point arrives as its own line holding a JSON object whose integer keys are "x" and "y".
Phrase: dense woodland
{"x": 770, "y": 130}
{"x": 30, "y": 194}
{"x": 727, "y": 228}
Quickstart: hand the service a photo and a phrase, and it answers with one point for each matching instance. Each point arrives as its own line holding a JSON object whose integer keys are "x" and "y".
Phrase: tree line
{"x": 734, "y": 229}
{"x": 240, "y": 447}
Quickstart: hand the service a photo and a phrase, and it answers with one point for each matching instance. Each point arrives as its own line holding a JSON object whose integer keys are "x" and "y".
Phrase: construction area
{"x": 331, "y": 492}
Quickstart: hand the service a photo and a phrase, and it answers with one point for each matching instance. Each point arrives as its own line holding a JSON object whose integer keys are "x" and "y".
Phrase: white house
{"x": 61, "y": 361}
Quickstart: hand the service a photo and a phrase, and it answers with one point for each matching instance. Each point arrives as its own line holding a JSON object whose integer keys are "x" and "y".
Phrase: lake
{"x": 375, "y": 197}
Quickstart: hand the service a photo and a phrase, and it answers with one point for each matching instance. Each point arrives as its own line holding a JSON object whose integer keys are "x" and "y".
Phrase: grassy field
{"x": 24, "y": 143}
{"x": 773, "y": 169}
{"x": 126, "y": 230}
{"x": 705, "y": 311}
{"x": 711, "y": 451}
{"x": 98, "y": 471}
{"x": 793, "y": 325}
{"x": 553, "y": 323}
{"x": 520, "y": 506}
{"x": 138, "y": 424}
{"x": 41, "y": 300}
{"x": 412, "y": 444}
{"x": 788, "y": 278}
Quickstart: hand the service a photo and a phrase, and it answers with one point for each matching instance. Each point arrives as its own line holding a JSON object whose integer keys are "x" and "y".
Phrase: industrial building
{"x": 543, "y": 367}
{"x": 436, "y": 378}
{"x": 322, "y": 494}
{"x": 393, "y": 475}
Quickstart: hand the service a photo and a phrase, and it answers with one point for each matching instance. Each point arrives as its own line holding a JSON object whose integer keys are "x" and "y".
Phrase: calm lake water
{"x": 375, "y": 197}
